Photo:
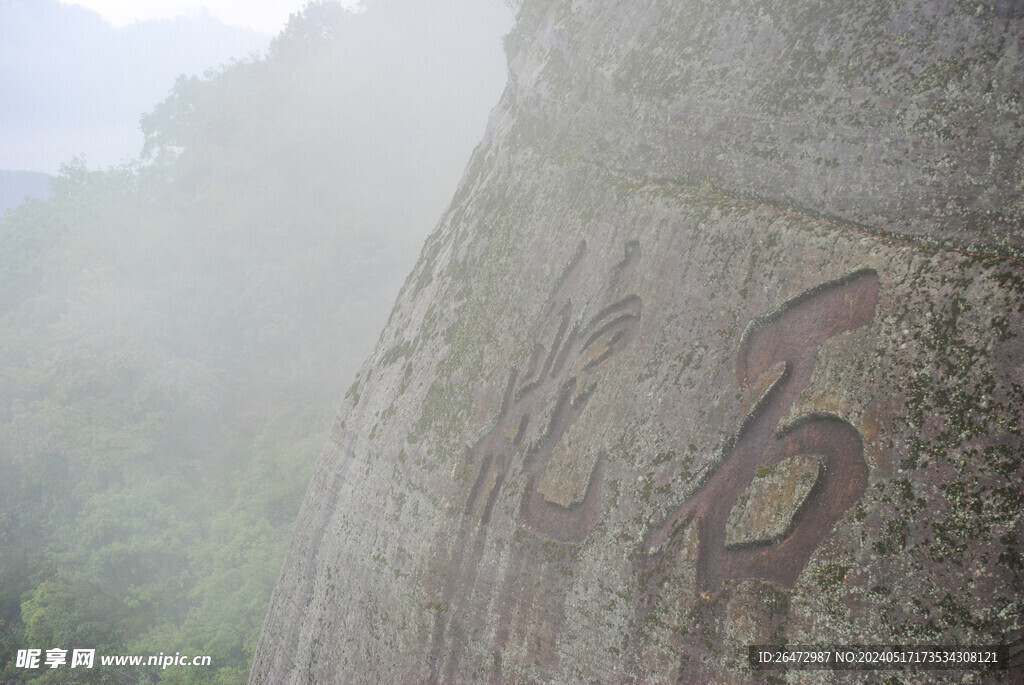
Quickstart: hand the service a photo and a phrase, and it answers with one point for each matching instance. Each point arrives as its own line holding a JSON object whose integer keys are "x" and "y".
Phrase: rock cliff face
{"x": 718, "y": 344}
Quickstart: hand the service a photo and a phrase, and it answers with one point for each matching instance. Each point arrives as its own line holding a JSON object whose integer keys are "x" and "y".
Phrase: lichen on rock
{"x": 718, "y": 341}
{"x": 764, "y": 513}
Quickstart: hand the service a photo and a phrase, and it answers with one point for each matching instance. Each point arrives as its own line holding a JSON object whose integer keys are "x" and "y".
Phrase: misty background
{"x": 74, "y": 84}
{"x": 182, "y": 308}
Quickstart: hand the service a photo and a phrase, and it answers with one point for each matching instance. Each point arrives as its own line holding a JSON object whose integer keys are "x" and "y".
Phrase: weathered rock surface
{"x": 764, "y": 512}
{"x": 699, "y": 240}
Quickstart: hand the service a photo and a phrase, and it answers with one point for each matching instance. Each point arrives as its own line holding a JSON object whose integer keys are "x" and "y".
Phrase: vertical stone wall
{"x": 718, "y": 344}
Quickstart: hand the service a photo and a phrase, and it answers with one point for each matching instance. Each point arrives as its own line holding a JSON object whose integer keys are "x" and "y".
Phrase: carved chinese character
{"x": 813, "y": 468}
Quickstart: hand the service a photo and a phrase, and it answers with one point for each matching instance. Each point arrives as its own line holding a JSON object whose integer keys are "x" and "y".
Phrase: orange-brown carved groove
{"x": 563, "y": 381}
{"x": 791, "y": 335}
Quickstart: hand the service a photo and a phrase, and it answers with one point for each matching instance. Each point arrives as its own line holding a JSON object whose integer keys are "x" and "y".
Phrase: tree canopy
{"x": 177, "y": 332}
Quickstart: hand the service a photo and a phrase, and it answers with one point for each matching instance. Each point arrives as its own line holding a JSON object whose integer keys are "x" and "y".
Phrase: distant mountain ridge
{"x": 15, "y": 186}
{"x": 74, "y": 84}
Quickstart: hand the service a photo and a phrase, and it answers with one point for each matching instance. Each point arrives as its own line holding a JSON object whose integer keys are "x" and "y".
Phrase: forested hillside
{"x": 177, "y": 333}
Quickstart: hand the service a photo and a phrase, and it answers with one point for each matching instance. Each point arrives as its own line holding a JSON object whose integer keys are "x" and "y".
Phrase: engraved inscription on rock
{"x": 780, "y": 486}
{"x": 562, "y": 496}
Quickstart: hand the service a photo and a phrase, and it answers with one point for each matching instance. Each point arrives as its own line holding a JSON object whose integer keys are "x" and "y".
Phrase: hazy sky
{"x": 74, "y": 85}
{"x": 265, "y": 16}
{"x": 76, "y": 75}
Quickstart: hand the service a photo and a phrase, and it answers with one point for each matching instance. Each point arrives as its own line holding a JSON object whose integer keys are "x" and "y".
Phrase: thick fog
{"x": 75, "y": 85}
{"x": 177, "y": 331}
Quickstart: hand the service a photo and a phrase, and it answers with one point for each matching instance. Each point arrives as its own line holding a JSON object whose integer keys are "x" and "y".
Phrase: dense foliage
{"x": 175, "y": 333}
